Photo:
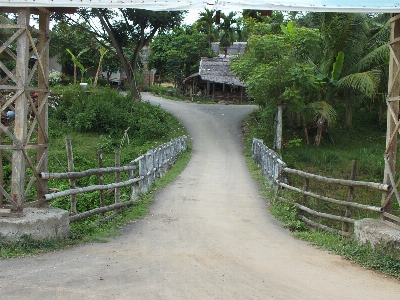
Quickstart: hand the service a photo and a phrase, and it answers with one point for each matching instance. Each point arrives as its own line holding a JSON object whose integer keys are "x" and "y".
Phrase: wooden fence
{"x": 277, "y": 174}
{"x": 142, "y": 172}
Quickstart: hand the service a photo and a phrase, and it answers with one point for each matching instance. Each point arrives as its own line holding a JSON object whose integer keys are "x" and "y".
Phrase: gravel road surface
{"x": 209, "y": 235}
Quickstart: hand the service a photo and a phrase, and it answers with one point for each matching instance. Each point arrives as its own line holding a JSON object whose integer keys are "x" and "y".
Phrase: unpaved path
{"x": 208, "y": 236}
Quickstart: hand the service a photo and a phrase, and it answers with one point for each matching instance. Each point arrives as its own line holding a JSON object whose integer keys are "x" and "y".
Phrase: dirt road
{"x": 208, "y": 236}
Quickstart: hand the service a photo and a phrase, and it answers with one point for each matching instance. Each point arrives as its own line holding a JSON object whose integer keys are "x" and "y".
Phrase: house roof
{"x": 216, "y": 69}
{"x": 190, "y": 76}
{"x": 235, "y": 49}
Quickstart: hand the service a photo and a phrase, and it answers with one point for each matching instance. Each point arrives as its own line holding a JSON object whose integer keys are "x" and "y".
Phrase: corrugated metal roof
{"x": 287, "y": 5}
{"x": 216, "y": 69}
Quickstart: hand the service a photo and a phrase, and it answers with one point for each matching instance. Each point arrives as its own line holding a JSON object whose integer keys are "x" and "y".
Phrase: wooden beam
{"x": 393, "y": 111}
{"x": 42, "y": 101}
{"x": 36, "y": 11}
{"x": 21, "y": 105}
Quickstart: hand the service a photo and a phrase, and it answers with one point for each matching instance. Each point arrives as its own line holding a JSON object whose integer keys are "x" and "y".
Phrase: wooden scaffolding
{"x": 24, "y": 142}
{"x": 392, "y": 172}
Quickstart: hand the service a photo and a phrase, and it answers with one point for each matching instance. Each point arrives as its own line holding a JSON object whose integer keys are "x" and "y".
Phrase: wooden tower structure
{"x": 392, "y": 171}
{"x": 24, "y": 142}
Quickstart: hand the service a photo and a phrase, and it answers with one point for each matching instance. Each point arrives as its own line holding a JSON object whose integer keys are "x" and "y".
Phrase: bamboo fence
{"x": 142, "y": 173}
{"x": 276, "y": 172}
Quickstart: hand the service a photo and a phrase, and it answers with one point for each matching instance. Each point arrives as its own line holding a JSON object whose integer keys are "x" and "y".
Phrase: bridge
{"x": 224, "y": 244}
{"x": 209, "y": 235}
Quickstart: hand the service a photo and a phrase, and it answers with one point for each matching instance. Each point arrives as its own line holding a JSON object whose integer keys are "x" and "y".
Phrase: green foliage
{"x": 332, "y": 161}
{"x": 337, "y": 66}
{"x": 289, "y": 29}
{"x": 381, "y": 259}
{"x": 227, "y": 29}
{"x": 324, "y": 110}
{"x": 105, "y": 111}
{"x": 287, "y": 214}
{"x": 72, "y": 37}
{"x": 177, "y": 54}
{"x": 252, "y": 23}
{"x": 205, "y": 25}
{"x": 273, "y": 70}
{"x": 124, "y": 31}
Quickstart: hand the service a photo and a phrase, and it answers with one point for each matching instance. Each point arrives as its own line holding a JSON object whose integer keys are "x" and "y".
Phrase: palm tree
{"x": 227, "y": 30}
{"x": 207, "y": 20}
{"x": 347, "y": 39}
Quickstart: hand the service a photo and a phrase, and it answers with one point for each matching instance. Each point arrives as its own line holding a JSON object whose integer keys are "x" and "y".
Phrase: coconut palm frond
{"x": 365, "y": 82}
{"x": 325, "y": 110}
{"x": 381, "y": 36}
{"x": 376, "y": 57}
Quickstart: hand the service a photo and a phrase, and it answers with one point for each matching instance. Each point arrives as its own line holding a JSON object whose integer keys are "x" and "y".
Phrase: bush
{"x": 55, "y": 77}
{"x": 105, "y": 111}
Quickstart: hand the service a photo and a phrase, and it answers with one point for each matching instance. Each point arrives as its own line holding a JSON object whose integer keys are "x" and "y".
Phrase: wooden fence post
{"x": 135, "y": 187}
{"x": 117, "y": 176}
{"x": 142, "y": 174}
{"x": 70, "y": 156}
{"x": 305, "y": 188}
{"x": 100, "y": 159}
{"x": 350, "y": 195}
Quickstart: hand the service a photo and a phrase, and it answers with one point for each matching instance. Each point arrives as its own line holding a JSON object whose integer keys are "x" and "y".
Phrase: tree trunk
{"x": 74, "y": 74}
{"x": 320, "y": 130}
{"x": 136, "y": 97}
{"x": 96, "y": 77}
{"x": 279, "y": 125}
{"x": 306, "y": 134}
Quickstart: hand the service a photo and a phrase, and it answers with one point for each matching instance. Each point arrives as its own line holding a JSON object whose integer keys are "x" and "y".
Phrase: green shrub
{"x": 105, "y": 111}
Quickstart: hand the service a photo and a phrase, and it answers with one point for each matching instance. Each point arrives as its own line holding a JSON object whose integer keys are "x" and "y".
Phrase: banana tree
{"x": 103, "y": 52}
{"x": 75, "y": 61}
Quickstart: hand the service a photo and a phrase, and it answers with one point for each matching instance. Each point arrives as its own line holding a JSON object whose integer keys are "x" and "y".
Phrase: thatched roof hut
{"x": 216, "y": 80}
{"x": 216, "y": 69}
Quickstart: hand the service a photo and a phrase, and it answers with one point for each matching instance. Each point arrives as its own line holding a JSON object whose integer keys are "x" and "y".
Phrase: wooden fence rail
{"x": 276, "y": 172}
{"x": 143, "y": 171}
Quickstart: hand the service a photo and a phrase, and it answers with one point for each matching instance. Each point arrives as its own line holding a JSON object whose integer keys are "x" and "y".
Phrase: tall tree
{"x": 177, "y": 54}
{"x": 227, "y": 30}
{"x": 363, "y": 56}
{"x": 277, "y": 76}
{"x": 125, "y": 32}
{"x": 205, "y": 24}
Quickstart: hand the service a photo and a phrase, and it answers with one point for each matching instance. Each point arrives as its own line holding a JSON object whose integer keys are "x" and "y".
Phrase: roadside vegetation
{"x": 99, "y": 119}
{"x": 332, "y": 161}
{"x": 320, "y": 81}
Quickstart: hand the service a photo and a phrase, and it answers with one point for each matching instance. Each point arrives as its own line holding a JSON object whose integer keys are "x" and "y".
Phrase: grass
{"x": 364, "y": 143}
